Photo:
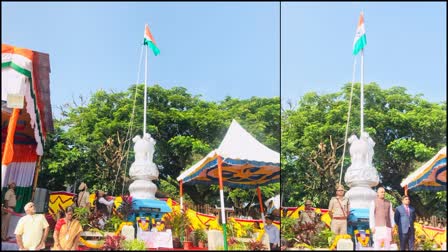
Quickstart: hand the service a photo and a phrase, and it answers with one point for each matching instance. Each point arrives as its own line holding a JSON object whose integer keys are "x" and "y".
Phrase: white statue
{"x": 361, "y": 151}
{"x": 144, "y": 167}
{"x": 144, "y": 148}
{"x": 370, "y": 144}
{"x": 361, "y": 175}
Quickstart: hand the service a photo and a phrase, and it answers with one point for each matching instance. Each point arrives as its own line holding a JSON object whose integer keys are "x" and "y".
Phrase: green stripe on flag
{"x": 28, "y": 74}
{"x": 359, "y": 45}
{"x": 151, "y": 45}
{"x": 23, "y": 195}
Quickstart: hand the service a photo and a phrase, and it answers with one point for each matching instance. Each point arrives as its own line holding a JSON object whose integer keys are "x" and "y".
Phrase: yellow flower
{"x": 337, "y": 238}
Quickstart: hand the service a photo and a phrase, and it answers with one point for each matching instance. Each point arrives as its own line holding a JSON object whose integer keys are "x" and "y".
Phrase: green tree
{"x": 92, "y": 142}
{"x": 407, "y": 130}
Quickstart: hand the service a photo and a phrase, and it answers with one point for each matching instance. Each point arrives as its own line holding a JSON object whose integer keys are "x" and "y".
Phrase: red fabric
{"x": 59, "y": 224}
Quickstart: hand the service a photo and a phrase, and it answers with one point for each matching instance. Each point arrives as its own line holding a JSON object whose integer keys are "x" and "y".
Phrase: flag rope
{"x": 128, "y": 134}
{"x": 348, "y": 120}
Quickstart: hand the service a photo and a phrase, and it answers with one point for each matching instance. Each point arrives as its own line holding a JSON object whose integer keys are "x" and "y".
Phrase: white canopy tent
{"x": 239, "y": 161}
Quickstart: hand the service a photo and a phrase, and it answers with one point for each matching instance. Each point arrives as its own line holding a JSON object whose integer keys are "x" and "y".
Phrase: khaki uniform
{"x": 307, "y": 216}
{"x": 10, "y": 197}
{"x": 83, "y": 199}
{"x": 311, "y": 218}
{"x": 341, "y": 211}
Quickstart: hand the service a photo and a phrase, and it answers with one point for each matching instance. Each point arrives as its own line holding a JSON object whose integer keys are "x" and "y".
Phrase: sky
{"x": 213, "y": 49}
{"x": 406, "y": 46}
{"x": 243, "y": 49}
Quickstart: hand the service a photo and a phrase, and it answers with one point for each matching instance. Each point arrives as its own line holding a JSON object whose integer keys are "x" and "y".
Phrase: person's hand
{"x": 373, "y": 230}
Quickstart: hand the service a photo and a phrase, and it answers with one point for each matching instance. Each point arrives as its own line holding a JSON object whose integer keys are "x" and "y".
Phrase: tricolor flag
{"x": 149, "y": 41}
{"x": 360, "y": 37}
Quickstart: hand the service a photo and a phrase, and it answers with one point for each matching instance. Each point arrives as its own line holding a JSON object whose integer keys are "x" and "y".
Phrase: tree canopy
{"x": 407, "y": 130}
{"x": 92, "y": 142}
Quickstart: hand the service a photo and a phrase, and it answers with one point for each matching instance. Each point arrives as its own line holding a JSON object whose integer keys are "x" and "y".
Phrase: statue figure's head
{"x": 352, "y": 138}
{"x": 147, "y": 136}
{"x": 136, "y": 138}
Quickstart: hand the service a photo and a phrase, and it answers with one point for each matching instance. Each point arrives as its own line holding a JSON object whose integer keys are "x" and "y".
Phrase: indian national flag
{"x": 149, "y": 41}
{"x": 360, "y": 37}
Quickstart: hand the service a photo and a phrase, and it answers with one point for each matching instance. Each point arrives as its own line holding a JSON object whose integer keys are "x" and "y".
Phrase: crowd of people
{"x": 382, "y": 219}
{"x": 32, "y": 229}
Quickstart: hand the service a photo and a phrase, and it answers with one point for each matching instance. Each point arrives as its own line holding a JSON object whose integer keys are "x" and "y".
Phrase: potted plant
{"x": 322, "y": 239}
{"x": 200, "y": 237}
{"x": 287, "y": 230}
{"x": 255, "y": 245}
{"x": 113, "y": 242}
{"x": 179, "y": 223}
{"x": 112, "y": 224}
{"x": 234, "y": 244}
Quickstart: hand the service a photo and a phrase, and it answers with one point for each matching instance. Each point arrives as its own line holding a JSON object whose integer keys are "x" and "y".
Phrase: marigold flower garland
{"x": 143, "y": 224}
{"x": 359, "y": 237}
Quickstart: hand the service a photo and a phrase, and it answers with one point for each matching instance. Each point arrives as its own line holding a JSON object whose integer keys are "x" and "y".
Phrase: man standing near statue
{"x": 339, "y": 210}
{"x": 405, "y": 218}
{"x": 381, "y": 220}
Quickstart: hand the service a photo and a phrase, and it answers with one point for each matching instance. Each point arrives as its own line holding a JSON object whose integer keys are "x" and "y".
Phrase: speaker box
{"x": 41, "y": 198}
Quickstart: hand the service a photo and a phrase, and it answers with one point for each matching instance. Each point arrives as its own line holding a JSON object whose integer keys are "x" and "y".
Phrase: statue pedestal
{"x": 360, "y": 196}
{"x": 361, "y": 175}
{"x": 358, "y": 220}
{"x": 143, "y": 190}
{"x": 150, "y": 207}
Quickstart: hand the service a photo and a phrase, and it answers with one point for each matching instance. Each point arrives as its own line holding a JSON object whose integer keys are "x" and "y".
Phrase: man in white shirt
{"x": 103, "y": 206}
{"x": 32, "y": 229}
{"x": 381, "y": 221}
{"x": 273, "y": 233}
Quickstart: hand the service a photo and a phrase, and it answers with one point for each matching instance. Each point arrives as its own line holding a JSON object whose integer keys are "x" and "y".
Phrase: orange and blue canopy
{"x": 430, "y": 176}
{"x": 246, "y": 162}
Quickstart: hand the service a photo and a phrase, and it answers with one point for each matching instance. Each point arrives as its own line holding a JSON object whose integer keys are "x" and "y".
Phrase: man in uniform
{"x": 381, "y": 221}
{"x": 83, "y": 196}
{"x": 10, "y": 204}
{"x": 307, "y": 216}
{"x": 307, "y": 222}
{"x": 339, "y": 210}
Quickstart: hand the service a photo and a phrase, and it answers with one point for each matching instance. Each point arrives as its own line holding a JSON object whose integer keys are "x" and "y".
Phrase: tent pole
{"x": 221, "y": 196}
{"x": 261, "y": 204}
{"x": 36, "y": 176}
{"x": 181, "y": 194}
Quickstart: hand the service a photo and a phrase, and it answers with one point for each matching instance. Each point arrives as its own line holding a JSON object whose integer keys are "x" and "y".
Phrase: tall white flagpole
{"x": 144, "y": 100}
{"x": 362, "y": 90}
